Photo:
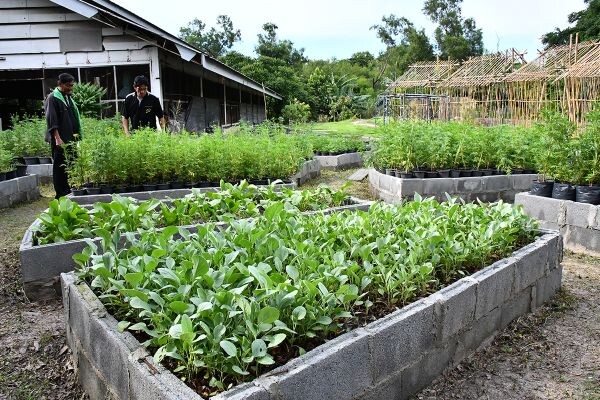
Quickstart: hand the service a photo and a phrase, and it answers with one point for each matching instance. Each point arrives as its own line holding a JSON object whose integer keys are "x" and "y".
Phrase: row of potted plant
{"x": 223, "y": 306}
{"x": 444, "y": 146}
{"x": 153, "y": 158}
{"x": 569, "y": 159}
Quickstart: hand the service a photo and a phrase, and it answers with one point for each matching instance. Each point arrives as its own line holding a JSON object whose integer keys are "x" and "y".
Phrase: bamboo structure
{"x": 423, "y": 77}
{"x": 538, "y": 84}
{"x": 477, "y": 89}
{"x": 581, "y": 83}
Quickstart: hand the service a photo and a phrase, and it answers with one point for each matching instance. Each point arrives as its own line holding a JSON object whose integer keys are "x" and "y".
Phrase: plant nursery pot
{"x": 419, "y": 174}
{"x": 444, "y": 173}
{"x": 2, "y": 176}
{"x": 498, "y": 172}
{"x": 487, "y": 172}
{"x": 202, "y": 184}
{"x": 563, "y": 191}
{"x": 516, "y": 171}
{"x": 79, "y": 192}
{"x": 106, "y": 189}
{"x": 163, "y": 186}
{"x": 21, "y": 170}
{"x": 149, "y": 186}
{"x": 92, "y": 190}
{"x": 11, "y": 174}
{"x": 215, "y": 184}
{"x": 466, "y": 173}
{"x": 390, "y": 171}
{"x": 454, "y": 173}
{"x": 176, "y": 185}
{"x": 587, "y": 194}
{"x": 476, "y": 173}
{"x": 45, "y": 160}
{"x": 31, "y": 160}
{"x": 543, "y": 189}
{"x": 529, "y": 171}
{"x": 431, "y": 174}
{"x": 119, "y": 189}
{"x": 188, "y": 185}
{"x": 406, "y": 175}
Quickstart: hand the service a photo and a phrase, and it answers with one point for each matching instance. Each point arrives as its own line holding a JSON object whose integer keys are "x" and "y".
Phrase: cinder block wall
{"x": 342, "y": 161}
{"x": 579, "y": 223}
{"x": 391, "y": 358}
{"x": 19, "y": 190}
{"x": 484, "y": 188}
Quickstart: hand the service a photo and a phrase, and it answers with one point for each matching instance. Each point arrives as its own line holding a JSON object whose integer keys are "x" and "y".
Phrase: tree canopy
{"x": 587, "y": 24}
{"x": 215, "y": 42}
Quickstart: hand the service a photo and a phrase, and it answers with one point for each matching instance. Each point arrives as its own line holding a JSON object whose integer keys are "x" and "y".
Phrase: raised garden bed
{"x": 41, "y": 265}
{"x": 485, "y": 188}
{"x": 392, "y": 357}
{"x": 341, "y": 161}
{"x": 18, "y": 190}
{"x": 43, "y": 171}
{"x": 579, "y": 223}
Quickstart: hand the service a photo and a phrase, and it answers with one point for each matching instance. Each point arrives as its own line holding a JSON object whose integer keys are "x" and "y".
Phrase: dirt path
{"x": 551, "y": 354}
{"x": 34, "y": 361}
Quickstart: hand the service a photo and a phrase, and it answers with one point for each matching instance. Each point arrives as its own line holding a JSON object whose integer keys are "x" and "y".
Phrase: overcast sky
{"x": 339, "y": 28}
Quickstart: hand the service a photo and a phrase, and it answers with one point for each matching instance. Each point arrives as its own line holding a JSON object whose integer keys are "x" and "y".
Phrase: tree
{"x": 215, "y": 42}
{"x": 270, "y": 46}
{"x": 320, "y": 92}
{"x": 587, "y": 24}
{"x": 362, "y": 58}
{"x": 404, "y": 46}
{"x": 456, "y": 38}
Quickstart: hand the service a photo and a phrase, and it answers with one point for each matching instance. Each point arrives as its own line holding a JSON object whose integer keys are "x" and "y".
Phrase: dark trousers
{"x": 59, "y": 172}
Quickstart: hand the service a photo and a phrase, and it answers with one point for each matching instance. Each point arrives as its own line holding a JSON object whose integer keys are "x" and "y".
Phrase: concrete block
{"x": 27, "y": 183}
{"x": 518, "y": 305}
{"x": 246, "y": 391}
{"x": 496, "y": 183}
{"x": 18, "y": 197}
{"x": 82, "y": 304}
{"x": 494, "y": 286}
{"x": 408, "y": 187}
{"x": 8, "y": 187}
{"x": 338, "y": 372}
{"x": 427, "y": 368}
{"x": 47, "y": 261}
{"x": 548, "y": 285}
{"x": 467, "y": 185}
{"x": 401, "y": 338}
{"x": 94, "y": 385}
{"x": 522, "y": 182}
{"x": 488, "y": 197}
{"x": 532, "y": 264}
{"x": 457, "y": 307}
{"x": 156, "y": 382}
{"x": 386, "y": 182}
{"x": 4, "y": 202}
{"x": 439, "y": 186}
{"x": 480, "y": 334}
{"x": 389, "y": 389}
{"x": 580, "y": 214}
{"x": 582, "y": 240}
{"x": 42, "y": 289}
{"x": 541, "y": 208}
{"x": 108, "y": 353}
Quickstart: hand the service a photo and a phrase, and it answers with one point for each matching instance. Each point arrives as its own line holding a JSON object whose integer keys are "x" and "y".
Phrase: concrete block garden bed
{"x": 391, "y": 358}
{"x": 341, "y": 161}
{"x": 579, "y": 223}
{"x": 42, "y": 265}
{"x": 485, "y": 188}
{"x": 18, "y": 190}
{"x": 43, "y": 171}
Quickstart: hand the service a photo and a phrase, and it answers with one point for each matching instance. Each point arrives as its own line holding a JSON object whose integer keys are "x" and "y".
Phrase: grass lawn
{"x": 353, "y": 127}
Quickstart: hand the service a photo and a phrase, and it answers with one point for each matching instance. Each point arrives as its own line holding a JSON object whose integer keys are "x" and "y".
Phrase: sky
{"x": 329, "y": 29}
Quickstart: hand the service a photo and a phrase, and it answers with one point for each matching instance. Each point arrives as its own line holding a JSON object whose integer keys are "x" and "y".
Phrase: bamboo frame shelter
{"x": 423, "y": 76}
{"x": 582, "y": 84}
{"x": 477, "y": 88}
{"x": 538, "y": 83}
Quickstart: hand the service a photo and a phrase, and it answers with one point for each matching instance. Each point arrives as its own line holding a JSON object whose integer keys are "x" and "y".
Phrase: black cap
{"x": 140, "y": 80}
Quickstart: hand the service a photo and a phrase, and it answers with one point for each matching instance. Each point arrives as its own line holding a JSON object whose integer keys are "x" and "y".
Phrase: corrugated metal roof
{"x": 187, "y": 52}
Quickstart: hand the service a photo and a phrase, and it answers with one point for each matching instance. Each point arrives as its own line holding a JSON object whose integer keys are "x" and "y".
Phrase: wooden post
{"x": 265, "y": 100}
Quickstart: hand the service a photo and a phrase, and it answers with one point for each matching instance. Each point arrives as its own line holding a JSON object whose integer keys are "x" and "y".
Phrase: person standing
{"x": 64, "y": 127}
{"x": 142, "y": 107}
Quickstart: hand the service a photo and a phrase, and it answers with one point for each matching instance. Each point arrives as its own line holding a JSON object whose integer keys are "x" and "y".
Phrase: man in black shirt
{"x": 142, "y": 107}
{"x": 64, "y": 127}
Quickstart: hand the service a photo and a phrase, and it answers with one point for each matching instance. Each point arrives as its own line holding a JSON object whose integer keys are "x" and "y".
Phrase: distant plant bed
{"x": 26, "y": 138}
{"x": 451, "y": 149}
{"x": 151, "y": 158}
{"x": 333, "y": 145}
{"x": 219, "y": 307}
{"x": 65, "y": 220}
